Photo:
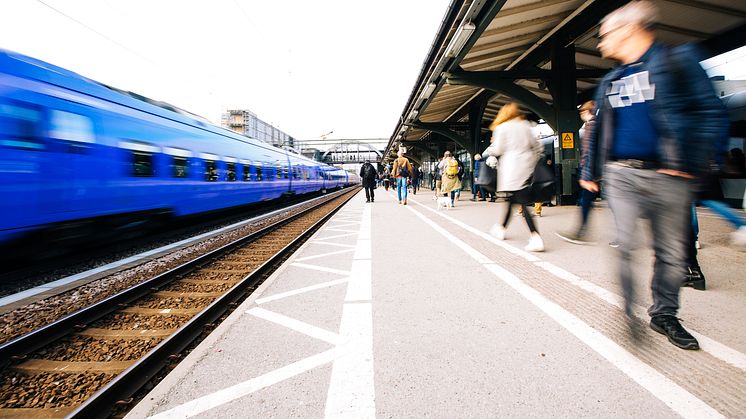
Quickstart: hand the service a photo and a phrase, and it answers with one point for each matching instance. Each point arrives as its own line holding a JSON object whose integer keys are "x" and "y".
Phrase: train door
{"x": 22, "y": 158}
{"x": 76, "y": 174}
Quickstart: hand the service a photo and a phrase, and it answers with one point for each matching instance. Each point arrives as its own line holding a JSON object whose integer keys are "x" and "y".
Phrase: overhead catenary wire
{"x": 119, "y": 44}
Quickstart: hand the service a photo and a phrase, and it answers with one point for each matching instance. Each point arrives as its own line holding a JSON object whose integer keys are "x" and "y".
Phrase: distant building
{"x": 247, "y": 123}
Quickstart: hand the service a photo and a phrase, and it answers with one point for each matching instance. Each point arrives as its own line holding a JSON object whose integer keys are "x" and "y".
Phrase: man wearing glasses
{"x": 657, "y": 120}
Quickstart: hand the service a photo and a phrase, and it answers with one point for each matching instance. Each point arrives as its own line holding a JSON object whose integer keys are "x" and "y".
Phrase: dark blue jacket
{"x": 477, "y": 166}
{"x": 686, "y": 113}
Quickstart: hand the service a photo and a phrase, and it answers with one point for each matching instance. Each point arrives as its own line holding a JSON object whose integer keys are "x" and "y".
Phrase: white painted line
{"x": 301, "y": 291}
{"x": 297, "y": 325}
{"x": 674, "y": 396}
{"x": 359, "y": 286}
{"x": 361, "y": 277}
{"x": 337, "y": 236}
{"x": 600, "y": 292}
{"x": 352, "y": 388}
{"x": 518, "y": 252}
{"x": 341, "y": 224}
{"x": 666, "y": 390}
{"x": 321, "y": 268}
{"x": 323, "y": 255}
{"x": 220, "y": 397}
{"x": 340, "y": 230}
{"x": 363, "y": 250}
{"x": 352, "y": 246}
{"x": 711, "y": 346}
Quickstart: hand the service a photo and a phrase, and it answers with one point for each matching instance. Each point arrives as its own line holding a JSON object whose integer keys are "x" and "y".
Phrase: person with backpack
{"x": 402, "y": 171}
{"x": 519, "y": 151}
{"x": 368, "y": 175}
{"x": 449, "y": 180}
{"x": 460, "y": 175}
{"x": 415, "y": 180}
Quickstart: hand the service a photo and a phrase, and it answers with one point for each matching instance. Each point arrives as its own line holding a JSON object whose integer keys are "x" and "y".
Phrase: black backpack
{"x": 403, "y": 172}
{"x": 369, "y": 172}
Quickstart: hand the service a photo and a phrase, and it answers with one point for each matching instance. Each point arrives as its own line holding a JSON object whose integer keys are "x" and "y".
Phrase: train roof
{"x": 28, "y": 67}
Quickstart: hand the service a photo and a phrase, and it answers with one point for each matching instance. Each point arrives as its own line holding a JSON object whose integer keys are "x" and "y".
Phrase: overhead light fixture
{"x": 459, "y": 39}
{"x": 413, "y": 115}
{"x": 429, "y": 89}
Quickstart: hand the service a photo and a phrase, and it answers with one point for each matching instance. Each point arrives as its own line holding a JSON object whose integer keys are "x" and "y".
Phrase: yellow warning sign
{"x": 568, "y": 140}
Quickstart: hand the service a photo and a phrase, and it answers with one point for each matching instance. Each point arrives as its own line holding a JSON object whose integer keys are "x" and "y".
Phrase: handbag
{"x": 487, "y": 178}
{"x": 542, "y": 182}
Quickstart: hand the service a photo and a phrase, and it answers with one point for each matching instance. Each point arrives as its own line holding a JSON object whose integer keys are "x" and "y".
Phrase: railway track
{"x": 19, "y": 274}
{"x": 95, "y": 359}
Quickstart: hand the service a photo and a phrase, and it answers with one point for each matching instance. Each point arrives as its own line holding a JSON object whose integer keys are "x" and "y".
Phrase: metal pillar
{"x": 563, "y": 86}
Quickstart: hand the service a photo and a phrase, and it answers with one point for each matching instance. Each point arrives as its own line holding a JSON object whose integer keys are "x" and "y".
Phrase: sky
{"x": 344, "y": 68}
{"x": 307, "y": 67}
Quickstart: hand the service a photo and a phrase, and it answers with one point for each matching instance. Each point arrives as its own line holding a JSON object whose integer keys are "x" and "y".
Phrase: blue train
{"x": 75, "y": 153}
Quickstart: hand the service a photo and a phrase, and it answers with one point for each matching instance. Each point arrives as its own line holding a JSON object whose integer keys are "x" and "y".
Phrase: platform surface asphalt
{"x": 410, "y": 311}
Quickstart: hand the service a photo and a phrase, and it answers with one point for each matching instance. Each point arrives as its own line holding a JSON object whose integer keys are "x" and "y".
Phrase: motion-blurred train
{"x": 76, "y": 153}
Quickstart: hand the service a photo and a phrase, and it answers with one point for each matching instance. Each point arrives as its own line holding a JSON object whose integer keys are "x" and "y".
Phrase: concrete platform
{"x": 403, "y": 311}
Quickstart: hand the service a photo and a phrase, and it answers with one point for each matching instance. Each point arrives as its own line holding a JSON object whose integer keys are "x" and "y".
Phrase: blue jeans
{"x": 666, "y": 202}
{"x": 401, "y": 185}
{"x": 586, "y": 203}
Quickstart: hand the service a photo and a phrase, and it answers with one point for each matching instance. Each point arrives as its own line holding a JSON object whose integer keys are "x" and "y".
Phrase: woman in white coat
{"x": 518, "y": 151}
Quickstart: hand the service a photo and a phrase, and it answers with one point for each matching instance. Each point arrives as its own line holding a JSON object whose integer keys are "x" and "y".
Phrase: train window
{"x": 246, "y": 172}
{"x": 259, "y": 170}
{"x": 19, "y": 127}
{"x": 278, "y": 170}
{"x": 179, "y": 167}
{"x": 76, "y": 130}
{"x": 142, "y": 164}
{"x": 231, "y": 172}
{"x": 142, "y": 157}
{"x": 211, "y": 171}
{"x": 296, "y": 173}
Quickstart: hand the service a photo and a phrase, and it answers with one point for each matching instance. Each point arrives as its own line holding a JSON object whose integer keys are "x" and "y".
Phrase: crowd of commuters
{"x": 654, "y": 137}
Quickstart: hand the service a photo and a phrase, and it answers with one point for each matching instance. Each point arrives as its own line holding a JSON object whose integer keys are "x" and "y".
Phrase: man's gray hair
{"x": 641, "y": 12}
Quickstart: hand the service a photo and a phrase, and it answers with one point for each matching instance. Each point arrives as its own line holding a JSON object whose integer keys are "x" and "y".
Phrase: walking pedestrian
{"x": 402, "y": 171}
{"x": 658, "y": 118}
{"x": 519, "y": 151}
{"x": 368, "y": 176}
{"x": 416, "y": 173}
{"x": 449, "y": 181}
{"x": 477, "y": 190}
{"x": 580, "y": 234}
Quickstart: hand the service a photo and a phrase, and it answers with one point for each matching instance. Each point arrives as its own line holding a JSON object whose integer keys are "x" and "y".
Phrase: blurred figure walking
{"x": 657, "y": 122}
{"x": 580, "y": 234}
{"x": 475, "y": 188}
{"x": 518, "y": 150}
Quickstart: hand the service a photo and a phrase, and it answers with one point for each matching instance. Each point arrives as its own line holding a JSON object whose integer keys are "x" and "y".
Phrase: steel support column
{"x": 563, "y": 86}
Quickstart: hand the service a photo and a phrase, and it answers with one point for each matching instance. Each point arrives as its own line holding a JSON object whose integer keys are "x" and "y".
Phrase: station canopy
{"x": 488, "y": 53}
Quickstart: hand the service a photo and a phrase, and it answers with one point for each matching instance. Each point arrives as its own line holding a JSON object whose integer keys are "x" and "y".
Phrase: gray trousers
{"x": 664, "y": 200}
